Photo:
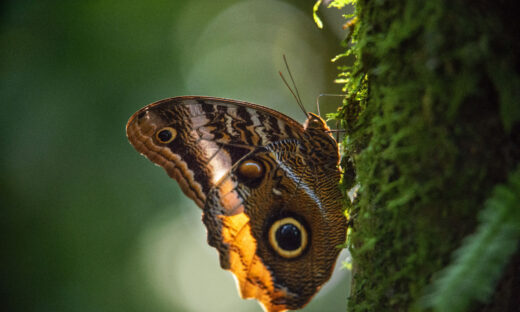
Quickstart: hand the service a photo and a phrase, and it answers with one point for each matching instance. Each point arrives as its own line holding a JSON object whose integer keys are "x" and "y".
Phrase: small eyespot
{"x": 251, "y": 169}
{"x": 288, "y": 237}
{"x": 250, "y": 172}
{"x": 166, "y": 135}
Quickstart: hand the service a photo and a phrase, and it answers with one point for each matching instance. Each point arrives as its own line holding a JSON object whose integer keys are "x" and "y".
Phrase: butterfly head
{"x": 315, "y": 122}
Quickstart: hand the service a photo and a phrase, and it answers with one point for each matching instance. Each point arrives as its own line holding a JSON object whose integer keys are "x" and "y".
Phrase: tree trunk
{"x": 433, "y": 134}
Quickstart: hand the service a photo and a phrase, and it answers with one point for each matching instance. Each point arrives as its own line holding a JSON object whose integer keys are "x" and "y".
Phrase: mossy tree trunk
{"x": 433, "y": 133}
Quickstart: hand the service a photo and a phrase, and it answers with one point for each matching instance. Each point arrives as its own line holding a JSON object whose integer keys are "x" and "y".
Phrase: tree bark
{"x": 433, "y": 129}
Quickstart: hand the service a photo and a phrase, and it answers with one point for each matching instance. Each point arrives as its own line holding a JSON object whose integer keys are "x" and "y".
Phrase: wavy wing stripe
{"x": 269, "y": 125}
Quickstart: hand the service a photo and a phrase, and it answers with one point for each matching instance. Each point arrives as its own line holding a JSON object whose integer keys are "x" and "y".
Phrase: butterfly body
{"x": 266, "y": 184}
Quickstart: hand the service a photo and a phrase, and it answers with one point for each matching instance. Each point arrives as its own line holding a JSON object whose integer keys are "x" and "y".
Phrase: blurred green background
{"x": 90, "y": 224}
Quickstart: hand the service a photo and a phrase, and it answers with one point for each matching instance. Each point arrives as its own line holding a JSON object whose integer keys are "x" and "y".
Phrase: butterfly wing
{"x": 293, "y": 187}
{"x": 209, "y": 146}
{"x": 208, "y": 136}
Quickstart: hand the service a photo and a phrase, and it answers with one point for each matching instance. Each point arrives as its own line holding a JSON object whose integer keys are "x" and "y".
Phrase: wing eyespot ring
{"x": 166, "y": 135}
{"x": 288, "y": 237}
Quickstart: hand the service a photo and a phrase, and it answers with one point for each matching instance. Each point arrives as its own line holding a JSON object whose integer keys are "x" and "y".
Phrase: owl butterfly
{"x": 267, "y": 187}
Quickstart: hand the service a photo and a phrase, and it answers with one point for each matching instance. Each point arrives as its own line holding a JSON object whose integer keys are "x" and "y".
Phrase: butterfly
{"x": 267, "y": 186}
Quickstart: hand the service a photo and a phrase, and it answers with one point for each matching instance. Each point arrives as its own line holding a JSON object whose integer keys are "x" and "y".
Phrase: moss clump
{"x": 432, "y": 116}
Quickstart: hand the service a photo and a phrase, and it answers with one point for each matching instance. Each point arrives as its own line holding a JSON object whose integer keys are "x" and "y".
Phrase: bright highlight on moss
{"x": 338, "y": 4}
{"x": 317, "y": 19}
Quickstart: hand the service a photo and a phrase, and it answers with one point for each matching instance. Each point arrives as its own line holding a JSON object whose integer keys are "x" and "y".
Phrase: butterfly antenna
{"x": 292, "y": 79}
{"x": 297, "y": 94}
{"x": 325, "y": 94}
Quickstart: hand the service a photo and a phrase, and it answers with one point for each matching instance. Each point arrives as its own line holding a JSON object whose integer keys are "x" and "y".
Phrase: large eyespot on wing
{"x": 278, "y": 238}
{"x": 230, "y": 230}
{"x": 281, "y": 272}
{"x": 231, "y": 235}
{"x": 198, "y": 139}
{"x": 288, "y": 236}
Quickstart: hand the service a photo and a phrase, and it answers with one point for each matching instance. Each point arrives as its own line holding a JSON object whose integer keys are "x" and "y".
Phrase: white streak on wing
{"x": 220, "y": 162}
{"x": 205, "y": 134}
{"x": 281, "y": 126}
{"x": 232, "y": 111}
{"x": 259, "y": 127}
{"x": 200, "y": 131}
{"x": 293, "y": 176}
{"x": 195, "y": 108}
{"x": 199, "y": 121}
{"x": 230, "y": 117}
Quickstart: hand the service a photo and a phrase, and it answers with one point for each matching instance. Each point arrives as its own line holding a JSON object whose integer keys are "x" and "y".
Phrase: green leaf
{"x": 478, "y": 264}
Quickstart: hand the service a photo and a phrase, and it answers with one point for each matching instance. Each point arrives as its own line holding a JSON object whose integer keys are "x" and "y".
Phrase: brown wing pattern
{"x": 301, "y": 189}
{"x": 206, "y": 143}
{"x": 211, "y": 135}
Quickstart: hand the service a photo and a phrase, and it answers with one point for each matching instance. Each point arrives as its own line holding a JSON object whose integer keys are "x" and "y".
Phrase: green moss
{"x": 432, "y": 127}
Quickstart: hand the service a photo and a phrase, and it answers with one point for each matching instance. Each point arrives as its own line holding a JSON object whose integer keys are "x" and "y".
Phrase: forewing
{"x": 211, "y": 135}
